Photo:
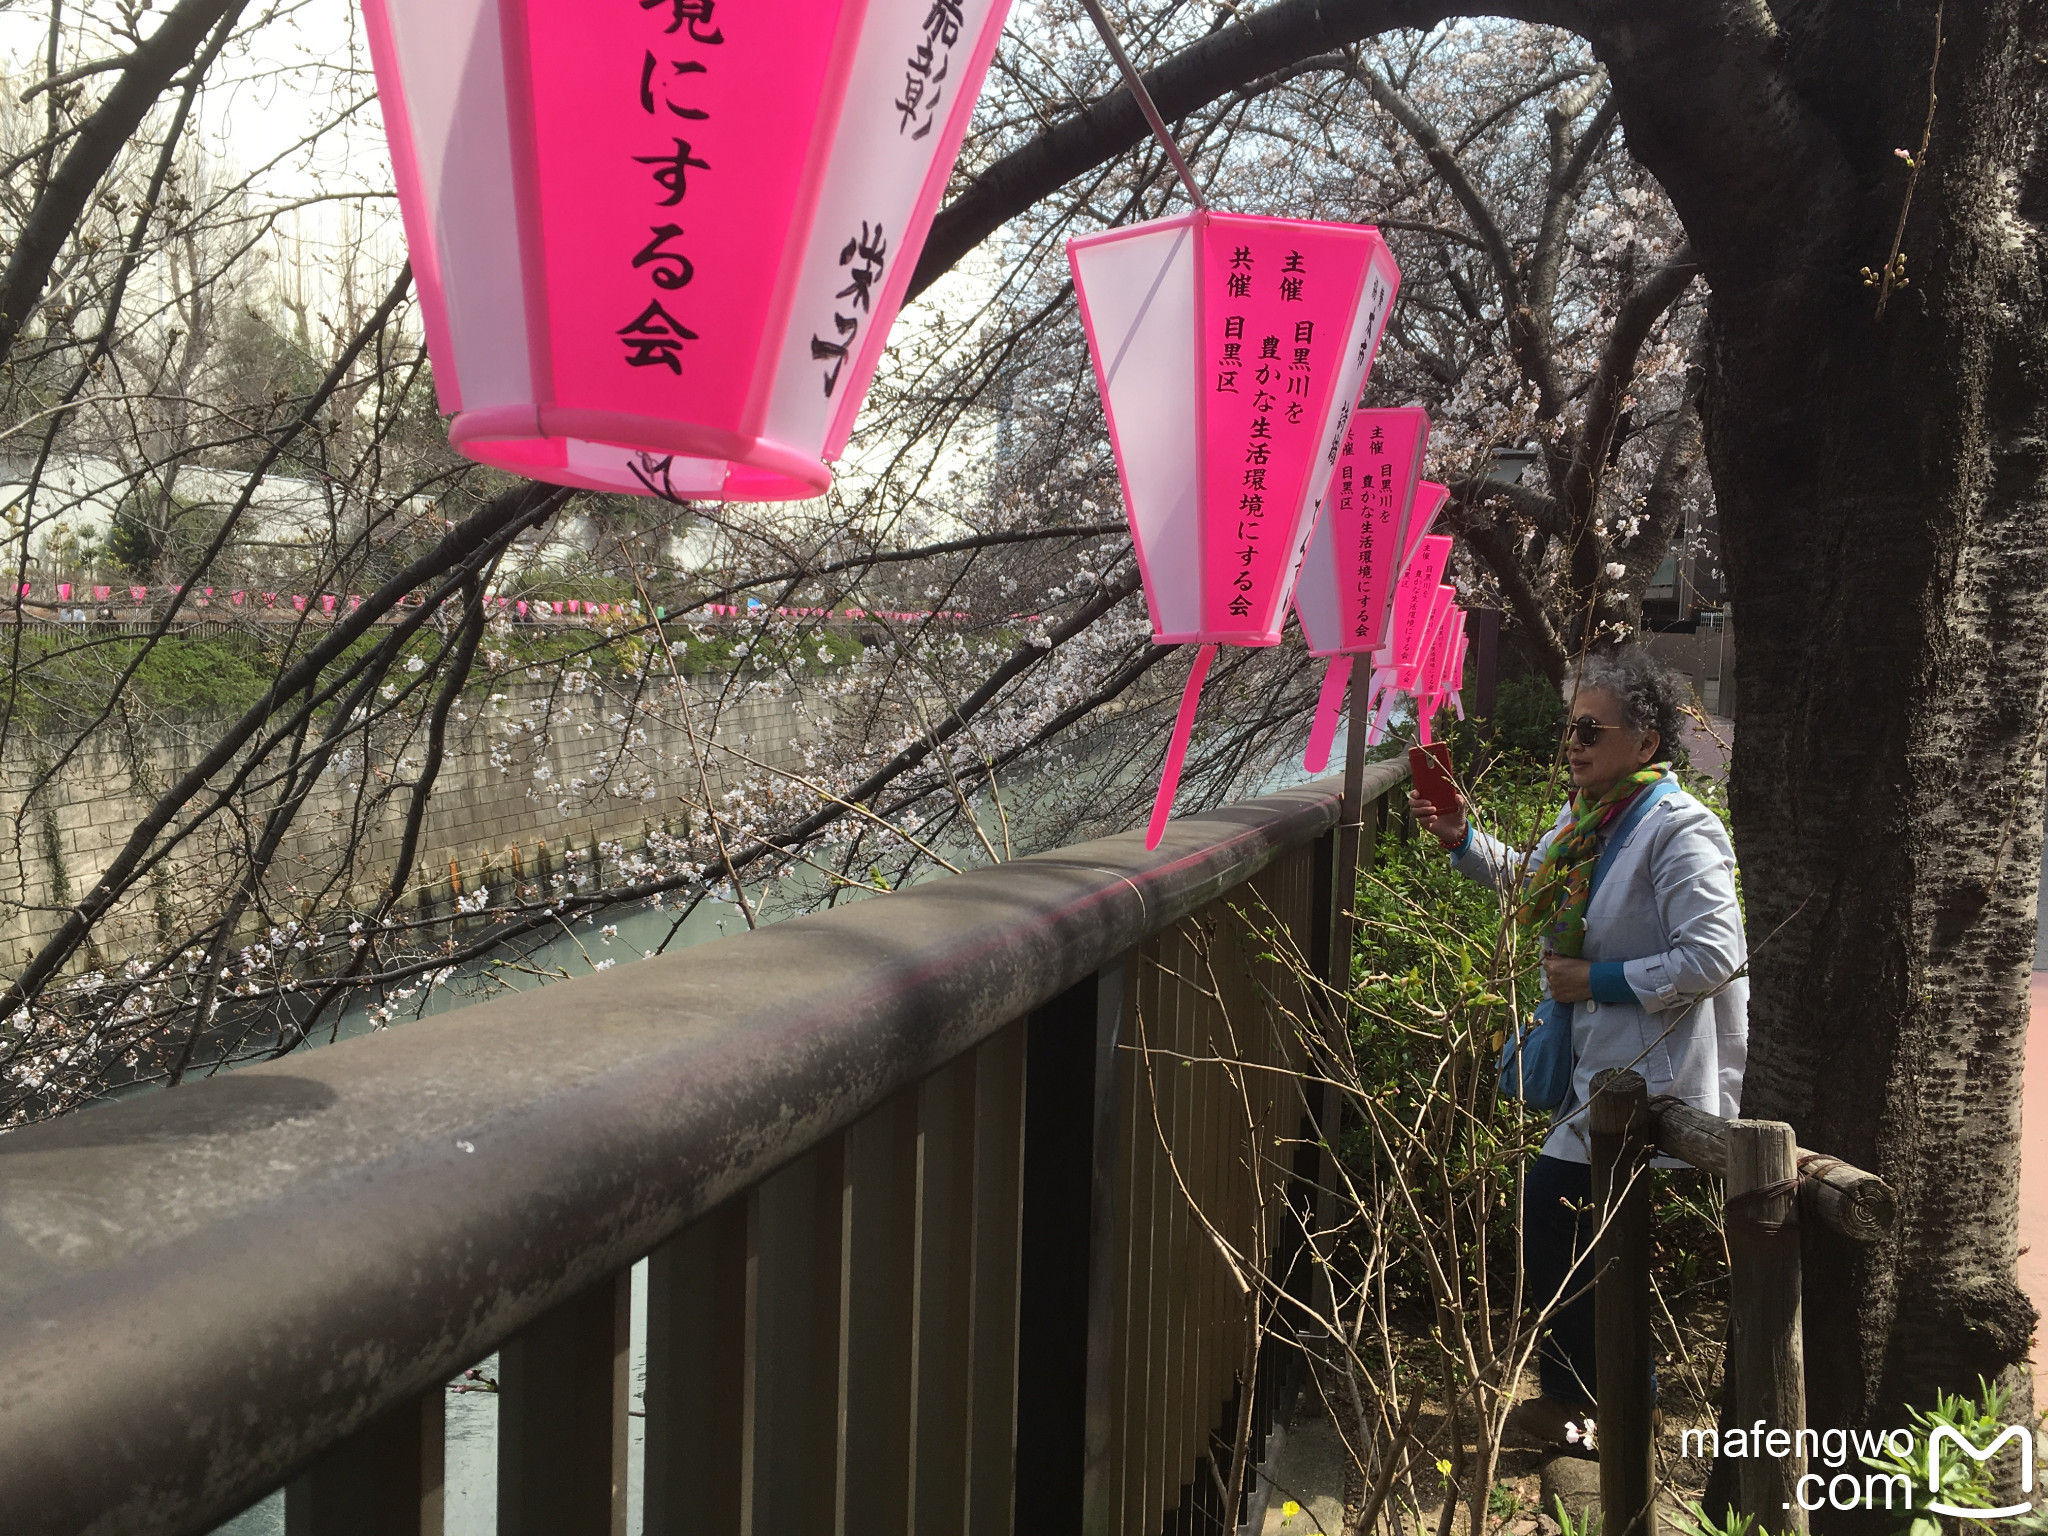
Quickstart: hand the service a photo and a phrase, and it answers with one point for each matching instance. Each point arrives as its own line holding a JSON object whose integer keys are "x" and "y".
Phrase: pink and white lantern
{"x": 1228, "y": 349}
{"x": 659, "y": 244}
{"x": 1344, "y": 598}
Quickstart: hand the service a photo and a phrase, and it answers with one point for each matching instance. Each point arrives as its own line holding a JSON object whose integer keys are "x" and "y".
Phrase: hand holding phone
{"x": 1430, "y": 767}
{"x": 1430, "y": 771}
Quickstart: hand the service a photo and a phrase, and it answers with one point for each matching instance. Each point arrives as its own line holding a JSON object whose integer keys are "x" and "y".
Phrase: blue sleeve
{"x": 1609, "y": 984}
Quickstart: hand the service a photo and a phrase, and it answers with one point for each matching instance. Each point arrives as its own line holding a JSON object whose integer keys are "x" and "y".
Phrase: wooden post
{"x": 1765, "y": 1361}
{"x": 1620, "y": 1123}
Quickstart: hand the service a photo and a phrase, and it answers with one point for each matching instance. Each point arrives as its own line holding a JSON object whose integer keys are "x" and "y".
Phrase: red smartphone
{"x": 1431, "y": 768}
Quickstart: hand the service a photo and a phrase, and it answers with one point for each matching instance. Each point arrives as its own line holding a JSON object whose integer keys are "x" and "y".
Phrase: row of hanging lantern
{"x": 1229, "y": 351}
{"x": 658, "y": 247}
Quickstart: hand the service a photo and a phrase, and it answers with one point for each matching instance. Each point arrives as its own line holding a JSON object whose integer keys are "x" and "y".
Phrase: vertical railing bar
{"x": 562, "y": 1408}
{"x": 1619, "y": 1123}
{"x": 1155, "y": 1114}
{"x": 696, "y": 1367}
{"x": 1098, "y": 1494}
{"x": 1177, "y": 1115}
{"x": 944, "y": 1271}
{"x": 1766, "y": 1367}
{"x": 993, "y": 1288}
{"x": 386, "y": 1477}
{"x": 1143, "y": 987}
{"x": 871, "y": 1472}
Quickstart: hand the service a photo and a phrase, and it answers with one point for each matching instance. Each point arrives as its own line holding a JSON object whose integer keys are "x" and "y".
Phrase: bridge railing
{"x": 921, "y": 1253}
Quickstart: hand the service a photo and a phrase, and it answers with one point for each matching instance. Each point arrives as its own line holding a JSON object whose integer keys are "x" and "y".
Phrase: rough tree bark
{"x": 1881, "y": 489}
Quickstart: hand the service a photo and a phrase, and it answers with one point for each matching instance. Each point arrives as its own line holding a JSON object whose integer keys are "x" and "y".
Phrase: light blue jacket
{"x": 1666, "y": 908}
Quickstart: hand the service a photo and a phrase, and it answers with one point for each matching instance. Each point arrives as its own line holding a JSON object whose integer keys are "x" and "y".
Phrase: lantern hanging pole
{"x": 1144, "y": 100}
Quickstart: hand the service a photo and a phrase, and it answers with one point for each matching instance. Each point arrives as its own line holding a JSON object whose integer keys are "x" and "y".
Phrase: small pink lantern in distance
{"x": 1228, "y": 349}
{"x": 1442, "y": 674}
{"x": 1345, "y": 595}
{"x": 659, "y": 244}
{"x": 1414, "y": 606}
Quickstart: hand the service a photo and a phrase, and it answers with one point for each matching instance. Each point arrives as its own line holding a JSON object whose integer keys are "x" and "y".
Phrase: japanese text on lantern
{"x": 864, "y": 256}
{"x": 1375, "y": 502}
{"x": 925, "y": 71}
{"x": 663, "y": 75}
{"x": 1281, "y": 385}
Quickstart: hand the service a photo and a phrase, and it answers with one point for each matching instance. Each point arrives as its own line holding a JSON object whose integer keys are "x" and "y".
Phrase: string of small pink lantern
{"x": 65, "y": 592}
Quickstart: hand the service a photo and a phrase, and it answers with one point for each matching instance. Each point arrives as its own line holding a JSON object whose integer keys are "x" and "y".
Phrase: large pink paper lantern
{"x": 659, "y": 243}
{"x": 1228, "y": 350}
{"x": 1345, "y": 593}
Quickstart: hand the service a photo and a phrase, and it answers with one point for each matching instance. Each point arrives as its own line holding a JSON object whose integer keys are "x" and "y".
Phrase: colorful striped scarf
{"x": 1555, "y": 908}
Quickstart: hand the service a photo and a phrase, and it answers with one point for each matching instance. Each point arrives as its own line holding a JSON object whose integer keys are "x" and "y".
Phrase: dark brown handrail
{"x": 202, "y": 1289}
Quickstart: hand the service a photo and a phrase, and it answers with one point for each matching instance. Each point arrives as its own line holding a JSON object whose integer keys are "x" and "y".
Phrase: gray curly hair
{"x": 1649, "y": 696}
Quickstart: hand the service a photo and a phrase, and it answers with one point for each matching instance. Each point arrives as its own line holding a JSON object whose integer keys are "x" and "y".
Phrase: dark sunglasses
{"x": 1586, "y": 730}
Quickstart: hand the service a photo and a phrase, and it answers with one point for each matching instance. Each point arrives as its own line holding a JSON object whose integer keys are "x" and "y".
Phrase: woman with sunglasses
{"x": 1643, "y": 944}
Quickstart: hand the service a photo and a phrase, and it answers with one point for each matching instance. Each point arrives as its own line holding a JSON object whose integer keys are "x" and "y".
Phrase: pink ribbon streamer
{"x": 1177, "y": 749}
{"x": 1329, "y": 708}
{"x": 1381, "y": 705}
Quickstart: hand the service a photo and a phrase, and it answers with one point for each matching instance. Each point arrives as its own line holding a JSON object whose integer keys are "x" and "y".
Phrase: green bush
{"x": 1528, "y": 719}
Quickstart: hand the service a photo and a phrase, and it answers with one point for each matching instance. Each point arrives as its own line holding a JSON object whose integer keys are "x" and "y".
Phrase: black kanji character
{"x": 1269, "y": 346}
{"x": 695, "y": 12}
{"x": 655, "y": 475}
{"x": 651, "y": 254}
{"x": 676, "y": 67}
{"x": 673, "y": 172}
{"x": 942, "y": 22}
{"x": 1293, "y": 263}
{"x": 873, "y": 251}
{"x": 1240, "y": 285}
{"x": 1233, "y": 328}
{"x": 1241, "y": 257}
{"x": 654, "y": 339}
{"x": 1290, "y": 290}
{"x": 1304, "y": 332}
{"x": 822, "y": 349}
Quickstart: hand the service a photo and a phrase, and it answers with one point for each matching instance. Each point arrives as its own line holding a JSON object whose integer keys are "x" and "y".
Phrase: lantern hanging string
{"x": 1144, "y": 100}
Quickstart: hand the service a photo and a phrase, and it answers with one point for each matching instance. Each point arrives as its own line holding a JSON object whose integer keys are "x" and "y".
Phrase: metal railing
{"x": 921, "y": 1249}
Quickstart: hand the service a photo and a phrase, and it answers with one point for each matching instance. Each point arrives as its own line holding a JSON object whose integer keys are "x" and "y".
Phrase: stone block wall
{"x": 527, "y": 775}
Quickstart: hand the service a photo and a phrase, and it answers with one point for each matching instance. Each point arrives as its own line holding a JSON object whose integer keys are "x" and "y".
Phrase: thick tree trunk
{"x": 1881, "y": 488}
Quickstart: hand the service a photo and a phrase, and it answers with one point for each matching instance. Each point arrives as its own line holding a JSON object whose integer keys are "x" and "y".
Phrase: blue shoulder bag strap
{"x": 1657, "y": 791}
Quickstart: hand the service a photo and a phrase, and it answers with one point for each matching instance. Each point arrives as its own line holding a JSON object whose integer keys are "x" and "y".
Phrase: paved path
{"x": 2034, "y": 1154}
